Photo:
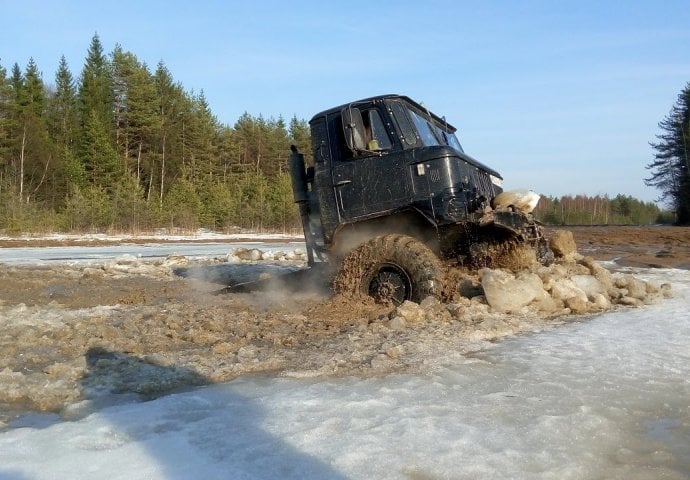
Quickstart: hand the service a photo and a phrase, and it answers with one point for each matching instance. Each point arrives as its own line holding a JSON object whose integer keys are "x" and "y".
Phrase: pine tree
{"x": 39, "y": 149}
{"x": 6, "y": 106}
{"x": 102, "y": 164}
{"x": 28, "y": 146}
{"x": 277, "y": 147}
{"x": 200, "y": 136}
{"x": 129, "y": 207}
{"x": 301, "y": 137}
{"x": 246, "y": 140}
{"x": 671, "y": 166}
{"x": 135, "y": 108}
{"x": 228, "y": 153}
{"x": 284, "y": 211}
{"x": 172, "y": 111}
{"x": 182, "y": 204}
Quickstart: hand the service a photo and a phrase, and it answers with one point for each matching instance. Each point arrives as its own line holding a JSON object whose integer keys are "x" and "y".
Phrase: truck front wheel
{"x": 391, "y": 268}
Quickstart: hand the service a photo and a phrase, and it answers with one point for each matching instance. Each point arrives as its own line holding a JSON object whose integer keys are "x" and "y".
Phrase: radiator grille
{"x": 483, "y": 183}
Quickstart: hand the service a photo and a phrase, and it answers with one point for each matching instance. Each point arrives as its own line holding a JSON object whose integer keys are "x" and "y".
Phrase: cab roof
{"x": 382, "y": 98}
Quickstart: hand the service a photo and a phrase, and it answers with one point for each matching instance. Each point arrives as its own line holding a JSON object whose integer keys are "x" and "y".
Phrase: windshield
{"x": 432, "y": 134}
{"x": 453, "y": 141}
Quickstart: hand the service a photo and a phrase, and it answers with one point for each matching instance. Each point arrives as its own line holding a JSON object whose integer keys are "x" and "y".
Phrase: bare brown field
{"x": 635, "y": 246}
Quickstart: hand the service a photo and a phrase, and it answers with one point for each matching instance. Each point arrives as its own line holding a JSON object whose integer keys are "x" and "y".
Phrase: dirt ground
{"x": 71, "y": 335}
{"x": 654, "y": 247}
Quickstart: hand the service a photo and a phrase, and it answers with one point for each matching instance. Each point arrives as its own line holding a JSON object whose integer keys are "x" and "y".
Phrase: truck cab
{"x": 387, "y": 159}
{"x": 392, "y": 196}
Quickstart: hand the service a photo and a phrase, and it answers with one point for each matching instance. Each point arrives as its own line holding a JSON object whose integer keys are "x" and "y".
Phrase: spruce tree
{"x": 63, "y": 118}
{"x": 95, "y": 90}
{"x": 34, "y": 93}
{"x": 63, "y": 126}
{"x": 671, "y": 166}
{"x": 96, "y": 118}
{"x": 17, "y": 80}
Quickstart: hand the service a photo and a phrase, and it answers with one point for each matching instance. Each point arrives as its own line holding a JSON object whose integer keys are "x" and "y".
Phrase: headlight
{"x": 496, "y": 180}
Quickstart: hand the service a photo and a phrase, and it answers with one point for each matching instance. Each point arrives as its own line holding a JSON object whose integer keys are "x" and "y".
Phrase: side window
{"x": 363, "y": 132}
{"x": 376, "y": 136}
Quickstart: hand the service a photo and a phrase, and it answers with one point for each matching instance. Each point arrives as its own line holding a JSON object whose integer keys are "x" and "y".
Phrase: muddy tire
{"x": 391, "y": 268}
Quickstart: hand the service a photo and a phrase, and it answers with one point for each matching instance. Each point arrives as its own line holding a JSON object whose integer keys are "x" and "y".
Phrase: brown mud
{"x": 70, "y": 334}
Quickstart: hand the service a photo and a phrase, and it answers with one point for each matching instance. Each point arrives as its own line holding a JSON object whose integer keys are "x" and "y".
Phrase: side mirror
{"x": 353, "y": 127}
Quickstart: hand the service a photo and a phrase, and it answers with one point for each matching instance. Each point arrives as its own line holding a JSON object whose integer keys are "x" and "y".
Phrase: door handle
{"x": 342, "y": 182}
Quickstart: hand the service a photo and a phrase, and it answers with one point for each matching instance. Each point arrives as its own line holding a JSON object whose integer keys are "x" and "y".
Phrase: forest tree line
{"x": 599, "y": 210}
{"x": 122, "y": 147}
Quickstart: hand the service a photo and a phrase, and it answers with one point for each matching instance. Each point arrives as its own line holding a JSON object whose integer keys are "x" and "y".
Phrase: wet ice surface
{"x": 604, "y": 397}
{"x": 72, "y": 254}
{"x": 232, "y": 273}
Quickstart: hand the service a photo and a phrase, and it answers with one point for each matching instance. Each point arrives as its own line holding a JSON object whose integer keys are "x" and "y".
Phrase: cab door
{"x": 373, "y": 178}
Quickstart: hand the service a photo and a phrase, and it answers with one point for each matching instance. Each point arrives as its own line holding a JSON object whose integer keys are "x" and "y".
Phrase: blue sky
{"x": 560, "y": 97}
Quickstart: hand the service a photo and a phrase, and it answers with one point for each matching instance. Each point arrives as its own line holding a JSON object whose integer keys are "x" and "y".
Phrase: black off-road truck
{"x": 392, "y": 199}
